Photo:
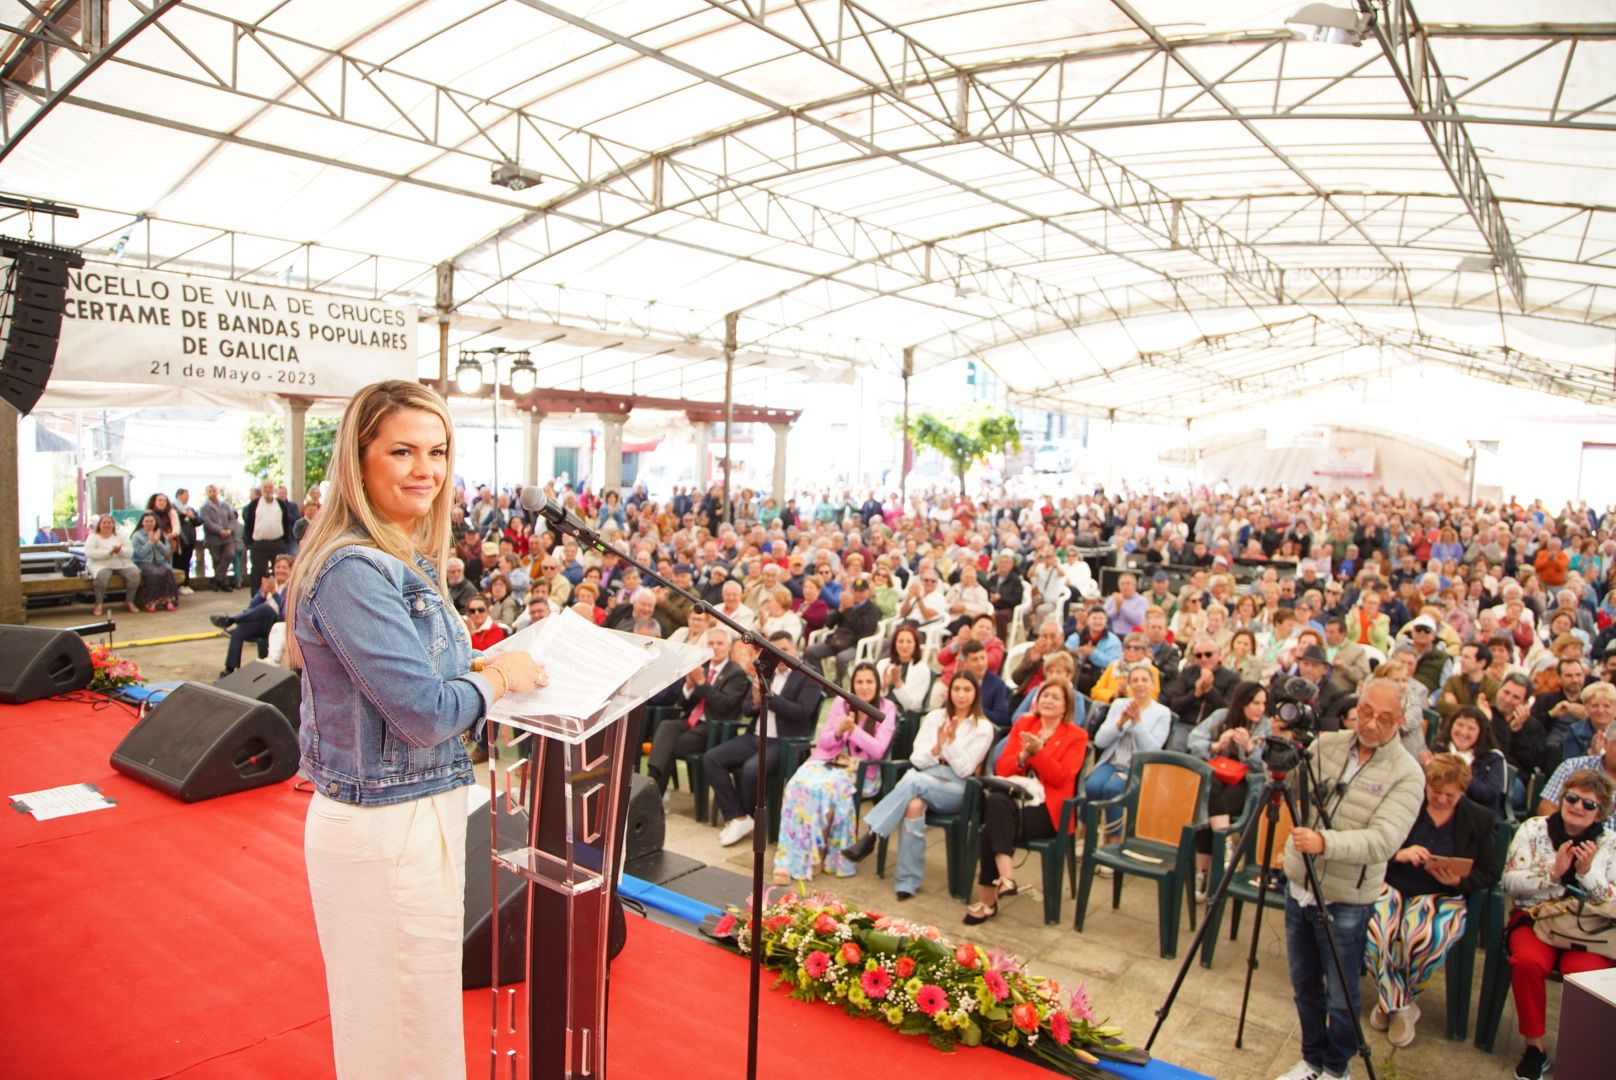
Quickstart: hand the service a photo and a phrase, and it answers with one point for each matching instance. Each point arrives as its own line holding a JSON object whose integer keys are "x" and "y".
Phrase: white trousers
{"x": 389, "y": 898}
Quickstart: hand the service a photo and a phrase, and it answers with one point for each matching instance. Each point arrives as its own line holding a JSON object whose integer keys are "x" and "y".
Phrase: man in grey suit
{"x": 220, "y": 529}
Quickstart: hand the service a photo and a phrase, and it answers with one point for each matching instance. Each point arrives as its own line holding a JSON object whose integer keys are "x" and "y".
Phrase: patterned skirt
{"x": 816, "y": 822}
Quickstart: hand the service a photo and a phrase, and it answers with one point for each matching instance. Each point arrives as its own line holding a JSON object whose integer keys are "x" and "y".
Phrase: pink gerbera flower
{"x": 996, "y": 985}
{"x": 931, "y": 1000}
{"x": 1060, "y": 1029}
{"x": 816, "y": 963}
{"x": 876, "y": 983}
{"x": 725, "y": 926}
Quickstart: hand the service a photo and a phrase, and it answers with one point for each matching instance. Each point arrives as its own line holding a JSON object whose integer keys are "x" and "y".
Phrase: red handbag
{"x": 1227, "y": 769}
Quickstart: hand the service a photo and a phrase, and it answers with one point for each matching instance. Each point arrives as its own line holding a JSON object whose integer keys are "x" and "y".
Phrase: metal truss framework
{"x": 1402, "y": 38}
{"x": 1123, "y": 217}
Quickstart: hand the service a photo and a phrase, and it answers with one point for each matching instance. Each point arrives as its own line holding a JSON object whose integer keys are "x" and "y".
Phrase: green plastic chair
{"x": 1243, "y": 889}
{"x": 1165, "y": 803}
{"x": 1495, "y": 973}
{"x": 718, "y": 731}
{"x": 956, "y": 826}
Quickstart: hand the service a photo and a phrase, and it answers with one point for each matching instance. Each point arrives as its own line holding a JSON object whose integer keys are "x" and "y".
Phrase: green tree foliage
{"x": 265, "y": 446}
{"x": 965, "y": 437}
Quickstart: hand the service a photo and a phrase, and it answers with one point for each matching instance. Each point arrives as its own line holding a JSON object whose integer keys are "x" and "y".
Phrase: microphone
{"x": 535, "y": 501}
{"x": 299, "y": 527}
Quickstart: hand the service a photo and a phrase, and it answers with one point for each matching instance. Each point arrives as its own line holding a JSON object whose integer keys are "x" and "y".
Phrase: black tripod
{"x": 1274, "y": 793}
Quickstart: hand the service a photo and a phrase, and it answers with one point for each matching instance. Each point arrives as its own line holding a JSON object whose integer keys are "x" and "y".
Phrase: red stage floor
{"x": 158, "y": 939}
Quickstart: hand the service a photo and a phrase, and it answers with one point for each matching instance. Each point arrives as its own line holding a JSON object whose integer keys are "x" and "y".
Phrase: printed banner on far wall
{"x": 124, "y": 325}
{"x": 1356, "y": 461}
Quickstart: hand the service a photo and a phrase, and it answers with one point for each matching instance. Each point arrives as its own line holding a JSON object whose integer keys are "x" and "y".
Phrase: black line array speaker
{"x": 35, "y": 298}
{"x": 39, "y": 662}
{"x": 201, "y": 742}
{"x": 269, "y": 683}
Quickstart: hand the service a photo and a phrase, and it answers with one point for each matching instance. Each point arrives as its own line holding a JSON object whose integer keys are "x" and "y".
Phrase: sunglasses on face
{"x": 1205, "y": 655}
{"x": 476, "y": 610}
{"x": 1582, "y": 801}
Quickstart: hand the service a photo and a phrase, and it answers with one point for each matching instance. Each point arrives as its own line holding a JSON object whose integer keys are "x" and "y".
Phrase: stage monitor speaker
{"x": 476, "y": 969}
{"x": 35, "y": 297}
{"x": 38, "y": 662}
{"x": 477, "y": 959}
{"x": 646, "y": 827}
{"x": 269, "y": 683}
{"x": 201, "y": 742}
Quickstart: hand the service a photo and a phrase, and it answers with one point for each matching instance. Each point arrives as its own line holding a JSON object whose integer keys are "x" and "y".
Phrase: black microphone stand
{"x": 769, "y": 658}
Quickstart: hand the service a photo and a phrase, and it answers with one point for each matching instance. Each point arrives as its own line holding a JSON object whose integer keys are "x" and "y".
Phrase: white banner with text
{"x": 125, "y": 325}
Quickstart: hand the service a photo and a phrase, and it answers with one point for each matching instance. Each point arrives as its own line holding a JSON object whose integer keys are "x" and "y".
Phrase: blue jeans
{"x": 1106, "y": 782}
{"x": 942, "y": 790}
{"x": 1329, "y": 1040}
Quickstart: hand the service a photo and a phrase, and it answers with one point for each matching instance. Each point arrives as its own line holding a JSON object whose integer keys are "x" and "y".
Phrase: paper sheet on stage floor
{"x": 586, "y": 666}
{"x": 63, "y": 801}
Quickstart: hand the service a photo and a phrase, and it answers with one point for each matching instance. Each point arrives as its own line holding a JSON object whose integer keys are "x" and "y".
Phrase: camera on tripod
{"x": 1294, "y": 705}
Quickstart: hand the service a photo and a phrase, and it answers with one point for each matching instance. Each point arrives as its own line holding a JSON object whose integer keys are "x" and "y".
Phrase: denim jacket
{"x": 387, "y": 684}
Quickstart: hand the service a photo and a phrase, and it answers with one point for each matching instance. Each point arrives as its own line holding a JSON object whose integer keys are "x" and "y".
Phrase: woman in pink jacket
{"x": 817, "y": 812}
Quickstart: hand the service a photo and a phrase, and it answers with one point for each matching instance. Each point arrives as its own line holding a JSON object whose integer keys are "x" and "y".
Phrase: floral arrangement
{"x": 110, "y": 673}
{"x": 913, "y": 980}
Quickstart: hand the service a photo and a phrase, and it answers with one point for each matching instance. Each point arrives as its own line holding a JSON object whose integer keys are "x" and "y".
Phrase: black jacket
{"x": 725, "y": 696}
{"x": 249, "y": 515}
{"x": 1007, "y": 589}
{"x": 795, "y": 707}
{"x": 1473, "y": 838}
{"x": 857, "y": 622}
{"x": 1191, "y": 709}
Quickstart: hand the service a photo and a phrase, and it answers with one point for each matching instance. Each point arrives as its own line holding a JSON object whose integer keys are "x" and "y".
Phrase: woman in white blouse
{"x": 948, "y": 751}
{"x": 905, "y": 678}
{"x": 108, "y": 552}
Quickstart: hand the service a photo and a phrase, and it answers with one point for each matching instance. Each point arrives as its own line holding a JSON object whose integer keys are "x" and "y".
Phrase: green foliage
{"x": 965, "y": 437}
{"x": 65, "y": 507}
{"x": 265, "y": 444}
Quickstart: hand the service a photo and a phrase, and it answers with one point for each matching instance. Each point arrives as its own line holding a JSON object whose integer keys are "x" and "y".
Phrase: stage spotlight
{"x": 1329, "y": 24}
{"x": 508, "y": 174}
{"x": 468, "y": 377}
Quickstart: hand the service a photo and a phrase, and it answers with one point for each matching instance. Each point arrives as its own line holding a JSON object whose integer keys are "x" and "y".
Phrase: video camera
{"x": 1294, "y": 704}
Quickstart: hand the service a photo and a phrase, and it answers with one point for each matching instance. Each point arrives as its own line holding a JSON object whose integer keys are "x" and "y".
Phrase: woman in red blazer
{"x": 1045, "y": 744}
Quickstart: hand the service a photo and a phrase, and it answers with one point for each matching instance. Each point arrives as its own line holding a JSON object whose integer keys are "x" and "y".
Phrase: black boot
{"x": 223, "y": 622}
{"x": 861, "y": 847}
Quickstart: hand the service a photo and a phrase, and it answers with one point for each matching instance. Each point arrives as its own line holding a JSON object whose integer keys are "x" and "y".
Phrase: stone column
{"x": 698, "y": 431}
{"x": 780, "y": 432}
{"x": 530, "y": 448}
{"x": 297, "y": 409}
{"x": 612, "y": 446}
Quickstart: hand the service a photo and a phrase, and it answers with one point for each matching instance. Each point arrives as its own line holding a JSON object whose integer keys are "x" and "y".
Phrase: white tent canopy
{"x": 1150, "y": 209}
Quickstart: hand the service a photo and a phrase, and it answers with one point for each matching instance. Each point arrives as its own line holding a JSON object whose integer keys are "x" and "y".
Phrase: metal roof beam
{"x": 1407, "y": 48}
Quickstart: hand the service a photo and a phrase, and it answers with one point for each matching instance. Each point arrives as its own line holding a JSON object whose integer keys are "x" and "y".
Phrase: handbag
{"x": 1572, "y": 923}
{"x": 1227, "y": 769}
{"x": 1027, "y": 790}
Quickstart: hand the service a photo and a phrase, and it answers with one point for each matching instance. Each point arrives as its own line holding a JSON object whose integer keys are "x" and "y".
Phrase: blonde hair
{"x": 347, "y": 517}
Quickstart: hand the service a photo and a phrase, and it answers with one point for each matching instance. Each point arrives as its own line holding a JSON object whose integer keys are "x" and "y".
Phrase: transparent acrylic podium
{"x": 571, "y": 777}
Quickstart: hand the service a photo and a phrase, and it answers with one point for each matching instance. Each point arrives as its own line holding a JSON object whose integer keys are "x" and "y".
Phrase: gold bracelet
{"x": 504, "y": 684}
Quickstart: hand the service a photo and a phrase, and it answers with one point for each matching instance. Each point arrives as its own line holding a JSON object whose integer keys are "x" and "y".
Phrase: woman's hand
{"x": 1563, "y": 856}
{"x": 1413, "y": 855}
{"x": 1446, "y": 875}
{"x": 521, "y": 672}
{"x": 845, "y": 725}
{"x": 1583, "y": 856}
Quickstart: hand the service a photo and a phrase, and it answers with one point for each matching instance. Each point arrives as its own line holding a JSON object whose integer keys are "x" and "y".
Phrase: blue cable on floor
{"x": 665, "y": 900}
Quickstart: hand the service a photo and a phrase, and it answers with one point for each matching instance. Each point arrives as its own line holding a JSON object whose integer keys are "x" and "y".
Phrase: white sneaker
{"x": 735, "y": 830}
{"x": 667, "y": 798}
{"x": 1200, "y": 886}
{"x": 1401, "y": 1029}
{"x": 186, "y": 590}
{"x": 1300, "y": 1071}
{"x": 1379, "y": 1018}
